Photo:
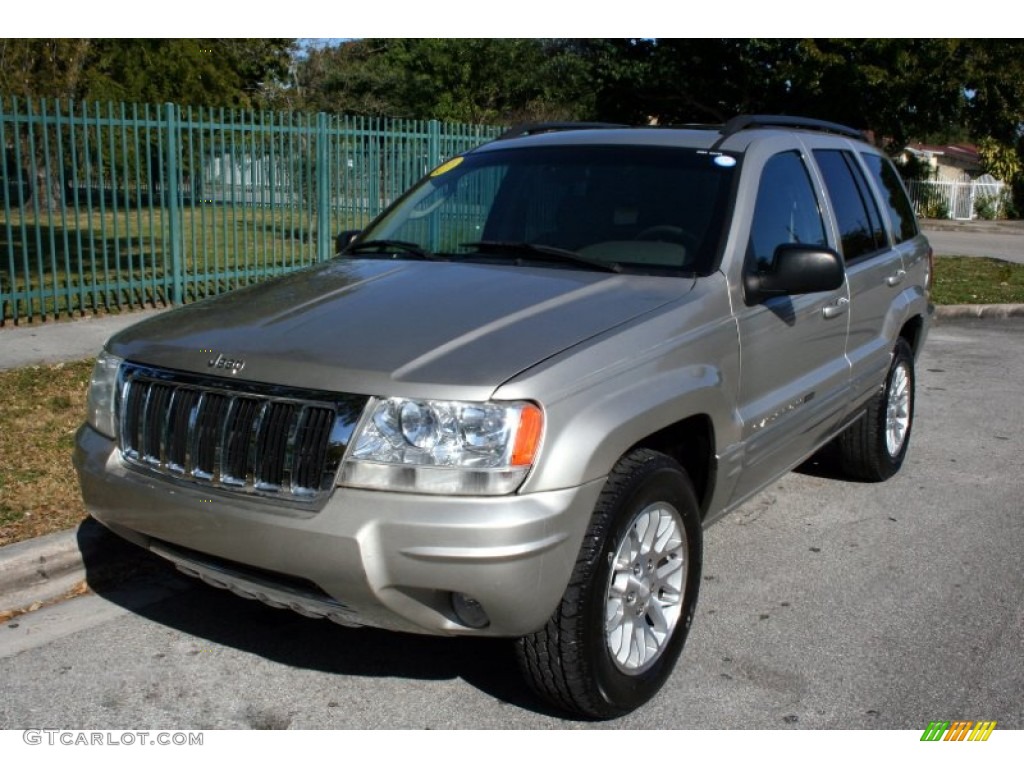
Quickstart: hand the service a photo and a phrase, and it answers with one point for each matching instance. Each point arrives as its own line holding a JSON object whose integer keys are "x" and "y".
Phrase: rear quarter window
{"x": 861, "y": 231}
{"x": 901, "y": 213}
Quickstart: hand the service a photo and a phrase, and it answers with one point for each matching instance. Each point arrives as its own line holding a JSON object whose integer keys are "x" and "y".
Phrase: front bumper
{"x": 373, "y": 558}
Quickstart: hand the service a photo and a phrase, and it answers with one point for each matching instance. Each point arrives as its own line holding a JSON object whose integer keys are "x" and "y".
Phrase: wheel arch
{"x": 913, "y": 332}
{"x": 691, "y": 442}
{"x": 683, "y": 422}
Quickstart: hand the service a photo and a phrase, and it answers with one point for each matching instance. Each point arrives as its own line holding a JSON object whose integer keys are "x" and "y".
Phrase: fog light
{"x": 469, "y": 611}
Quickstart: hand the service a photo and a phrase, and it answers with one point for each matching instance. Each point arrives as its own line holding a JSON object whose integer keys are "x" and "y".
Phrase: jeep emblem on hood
{"x": 226, "y": 362}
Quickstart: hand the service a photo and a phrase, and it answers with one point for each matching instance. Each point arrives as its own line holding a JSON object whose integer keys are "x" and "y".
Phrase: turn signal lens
{"x": 531, "y": 427}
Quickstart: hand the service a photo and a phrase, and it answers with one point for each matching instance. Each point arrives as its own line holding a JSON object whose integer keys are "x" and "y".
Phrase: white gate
{"x": 958, "y": 200}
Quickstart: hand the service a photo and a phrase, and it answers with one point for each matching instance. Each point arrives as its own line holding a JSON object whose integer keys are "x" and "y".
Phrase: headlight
{"x": 434, "y": 446}
{"x": 100, "y": 407}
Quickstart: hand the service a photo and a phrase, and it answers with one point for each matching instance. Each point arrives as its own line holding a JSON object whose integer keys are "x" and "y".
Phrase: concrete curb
{"x": 48, "y": 568}
{"x": 955, "y": 311}
{"x": 1011, "y": 226}
{"x": 39, "y": 570}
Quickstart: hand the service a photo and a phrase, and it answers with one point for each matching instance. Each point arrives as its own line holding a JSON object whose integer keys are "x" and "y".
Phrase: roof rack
{"x": 733, "y": 126}
{"x": 692, "y": 126}
{"x": 531, "y": 129}
{"x": 743, "y": 122}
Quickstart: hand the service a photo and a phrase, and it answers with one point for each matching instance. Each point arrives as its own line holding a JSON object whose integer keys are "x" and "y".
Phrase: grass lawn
{"x": 972, "y": 280}
{"x": 74, "y": 262}
{"x": 42, "y": 407}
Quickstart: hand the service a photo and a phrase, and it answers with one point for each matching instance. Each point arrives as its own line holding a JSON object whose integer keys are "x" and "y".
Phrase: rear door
{"x": 874, "y": 267}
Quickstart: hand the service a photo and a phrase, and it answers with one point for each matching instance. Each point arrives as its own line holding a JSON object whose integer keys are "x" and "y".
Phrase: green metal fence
{"x": 114, "y": 206}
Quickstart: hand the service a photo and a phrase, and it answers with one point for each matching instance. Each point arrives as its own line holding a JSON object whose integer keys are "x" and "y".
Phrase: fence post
{"x": 5, "y": 190}
{"x": 373, "y": 137}
{"x": 324, "y": 241}
{"x": 172, "y": 203}
{"x": 433, "y": 160}
{"x": 433, "y": 145}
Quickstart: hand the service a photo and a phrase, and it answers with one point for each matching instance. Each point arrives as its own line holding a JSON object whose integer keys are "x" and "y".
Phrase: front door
{"x": 794, "y": 374}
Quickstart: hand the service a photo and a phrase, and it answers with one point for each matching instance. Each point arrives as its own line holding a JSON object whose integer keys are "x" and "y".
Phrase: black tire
{"x": 873, "y": 448}
{"x": 569, "y": 662}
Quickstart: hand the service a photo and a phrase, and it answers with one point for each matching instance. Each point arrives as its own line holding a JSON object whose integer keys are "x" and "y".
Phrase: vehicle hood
{"x": 420, "y": 329}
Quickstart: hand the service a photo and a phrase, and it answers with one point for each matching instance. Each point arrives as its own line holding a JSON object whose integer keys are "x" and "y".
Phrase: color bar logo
{"x": 959, "y": 730}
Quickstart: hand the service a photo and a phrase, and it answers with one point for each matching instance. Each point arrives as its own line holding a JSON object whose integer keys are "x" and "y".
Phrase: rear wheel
{"x": 874, "y": 447}
{"x": 623, "y": 620}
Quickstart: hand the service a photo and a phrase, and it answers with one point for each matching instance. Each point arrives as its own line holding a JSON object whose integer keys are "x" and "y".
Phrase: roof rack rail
{"x": 530, "y": 129}
{"x": 743, "y": 122}
{"x": 692, "y": 126}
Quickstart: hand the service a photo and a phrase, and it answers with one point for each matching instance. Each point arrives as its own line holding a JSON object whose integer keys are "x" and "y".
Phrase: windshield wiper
{"x": 394, "y": 248}
{"x": 540, "y": 252}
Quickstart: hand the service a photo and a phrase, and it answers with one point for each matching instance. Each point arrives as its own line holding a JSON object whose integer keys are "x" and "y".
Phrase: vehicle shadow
{"x": 148, "y": 586}
{"x": 827, "y": 464}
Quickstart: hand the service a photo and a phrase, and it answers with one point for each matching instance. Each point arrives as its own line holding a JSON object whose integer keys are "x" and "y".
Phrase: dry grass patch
{"x": 41, "y": 407}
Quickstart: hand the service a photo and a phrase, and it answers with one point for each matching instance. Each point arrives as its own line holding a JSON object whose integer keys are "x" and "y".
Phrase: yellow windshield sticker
{"x": 453, "y": 163}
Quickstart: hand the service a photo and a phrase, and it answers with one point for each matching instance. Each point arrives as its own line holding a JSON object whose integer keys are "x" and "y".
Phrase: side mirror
{"x": 795, "y": 269}
{"x": 344, "y": 238}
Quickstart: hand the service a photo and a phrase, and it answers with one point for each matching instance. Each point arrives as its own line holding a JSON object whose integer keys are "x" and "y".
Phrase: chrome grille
{"x": 237, "y": 436}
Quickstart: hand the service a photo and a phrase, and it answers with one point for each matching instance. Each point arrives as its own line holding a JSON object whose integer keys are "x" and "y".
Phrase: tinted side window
{"x": 860, "y": 224}
{"x": 901, "y": 214}
{"x": 786, "y": 210}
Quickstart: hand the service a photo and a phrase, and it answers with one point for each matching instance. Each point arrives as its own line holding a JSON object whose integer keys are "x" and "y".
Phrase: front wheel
{"x": 873, "y": 448}
{"x": 623, "y": 620}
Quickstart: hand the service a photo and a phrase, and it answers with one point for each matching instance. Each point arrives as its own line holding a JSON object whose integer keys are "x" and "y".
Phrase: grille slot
{"x": 240, "y": 437}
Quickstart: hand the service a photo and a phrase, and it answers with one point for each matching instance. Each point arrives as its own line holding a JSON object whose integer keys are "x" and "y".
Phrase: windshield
{"x": 624, "y": 208}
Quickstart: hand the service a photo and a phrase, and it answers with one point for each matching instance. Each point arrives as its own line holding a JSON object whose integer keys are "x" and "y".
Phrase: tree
{"x": 207, "y": 71}
{"x": 462, "y": 80}
{"x": 350, "y": 78}
{"x": 897, "y": 89}
{"x": 196, "y": 71}
{"x": 618, "y": 78}
{"x": 48, "y": 67}
{"x": 994, "y": 88}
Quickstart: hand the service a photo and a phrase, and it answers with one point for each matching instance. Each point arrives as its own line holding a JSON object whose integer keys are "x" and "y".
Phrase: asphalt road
{"x": 825, "y": 604}
{"x": 998, "y": 240}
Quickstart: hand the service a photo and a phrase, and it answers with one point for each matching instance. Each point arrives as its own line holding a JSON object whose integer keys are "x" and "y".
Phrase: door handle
{"x": 836, "y": 309}
{"x": 897, "y": 278}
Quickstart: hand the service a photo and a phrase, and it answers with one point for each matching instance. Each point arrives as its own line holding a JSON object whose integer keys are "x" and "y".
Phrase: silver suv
{"x": 512, "y": 403}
